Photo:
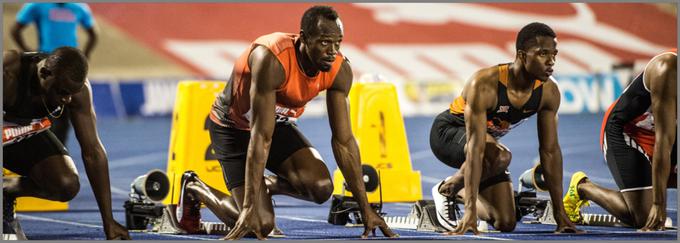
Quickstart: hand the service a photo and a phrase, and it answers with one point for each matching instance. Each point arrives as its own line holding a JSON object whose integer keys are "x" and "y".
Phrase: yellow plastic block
{"x": 190, "y": 147}
{"x": 34, "y": 204}
{"x": 378, "y": 126}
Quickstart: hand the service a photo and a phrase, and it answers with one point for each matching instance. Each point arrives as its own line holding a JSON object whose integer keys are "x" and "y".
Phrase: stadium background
{"x": 426, "y": 50}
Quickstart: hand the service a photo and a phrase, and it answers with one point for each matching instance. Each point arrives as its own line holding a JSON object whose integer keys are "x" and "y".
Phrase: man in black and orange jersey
{"x": 465, "y": 136}
{"x": 36, "y": 88}
{"x": 253, "y": 127}
{"x": 639, "y": 144}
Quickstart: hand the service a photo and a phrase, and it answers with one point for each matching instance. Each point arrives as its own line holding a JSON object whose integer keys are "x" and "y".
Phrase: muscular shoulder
{"x": 83, "y": 98}
{"x": 343, "y": 80}
{"x": 663, "y": 63}
{"x": 264, "y": 64}
{"x": 10, "y": 57}
{"x": 551, "y": 95}
{"x": 483, "y": 82}
{"x": 11, "y": 61}
{"x": 660, "y": 74}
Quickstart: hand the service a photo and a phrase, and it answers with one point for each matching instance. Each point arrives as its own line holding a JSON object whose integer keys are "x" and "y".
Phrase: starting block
{"x": 591, "y": 219}
{"x": 190, "y": 147}
{"x": 168, "y": 224}
{"x": 423, "y": 217}
{"x": 34, "y": 204}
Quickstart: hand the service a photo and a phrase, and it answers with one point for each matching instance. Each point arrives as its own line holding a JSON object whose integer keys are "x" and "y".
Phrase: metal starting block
{"x": 591, "y": 219}
{"x": 16, "y": 233}
{"x": 423, "y": 217}
{"x": 168, "y": 224}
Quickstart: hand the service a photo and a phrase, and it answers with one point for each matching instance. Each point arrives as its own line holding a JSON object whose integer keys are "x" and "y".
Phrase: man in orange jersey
{"x": 253, "y": 127}
{"x": 639, "y": 144}
{"x": 465, "y": 136}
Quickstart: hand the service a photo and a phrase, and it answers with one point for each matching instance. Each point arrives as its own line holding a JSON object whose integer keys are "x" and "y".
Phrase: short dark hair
{"x": 311, "y": 17}
{"x": 527, "y": 35}
{"x": 68, "y": 62}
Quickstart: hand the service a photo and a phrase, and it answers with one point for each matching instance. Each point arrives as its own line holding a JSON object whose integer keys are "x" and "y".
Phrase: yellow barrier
{"x": 190, "y": 147}
{"x": 378, "y": 127}
{"x": 34, "y": 204}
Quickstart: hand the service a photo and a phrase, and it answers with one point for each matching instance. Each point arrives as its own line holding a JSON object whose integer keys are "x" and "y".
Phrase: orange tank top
{"x": 232, "y": 107}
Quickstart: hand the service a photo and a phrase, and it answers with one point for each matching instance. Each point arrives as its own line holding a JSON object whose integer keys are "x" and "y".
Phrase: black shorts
{"x": 630, "y": 166}
{"x": 447, "y": 141}
{"x": 231, "y": 149}
{"x": 20, "y": 157}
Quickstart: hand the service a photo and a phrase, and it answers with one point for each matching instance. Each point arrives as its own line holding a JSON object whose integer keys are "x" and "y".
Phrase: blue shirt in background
{"x": 56, "y": 23}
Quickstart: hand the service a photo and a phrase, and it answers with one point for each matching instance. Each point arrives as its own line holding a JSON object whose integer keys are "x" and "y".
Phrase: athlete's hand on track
{"x": 468, "y": 223}
{"x": 247, "y": 222}
{"x": 115, "y": 231}
{"x": 656, "y": 219}
{"x": 372, "y": 220}
{"x": 565, "y": 226}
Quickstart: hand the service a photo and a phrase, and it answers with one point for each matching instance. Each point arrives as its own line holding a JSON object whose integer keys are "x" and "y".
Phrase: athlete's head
{"x": 536, "y": 49}
{"x": 62, "y": 74}
{"x": 321, "y": 33}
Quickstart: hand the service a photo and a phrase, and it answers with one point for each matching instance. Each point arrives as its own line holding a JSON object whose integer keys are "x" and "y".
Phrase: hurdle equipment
{"x": 190, "y": 147}
{"x": 378, "y": 127}
{"x": 34, "y": 204}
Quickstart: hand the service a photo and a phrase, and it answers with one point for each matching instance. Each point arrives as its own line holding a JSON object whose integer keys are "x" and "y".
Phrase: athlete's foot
{"x": 450, "y": 189}
{"x": 270, "y": 184}
{"x": 276, "y": 232}
{"x": 572, "y": 200}
{"x": 445, "y": 208}
{"x": 189, "y": 207}
{"x": 11, "y": 230}
{"x": 8, "y": 232}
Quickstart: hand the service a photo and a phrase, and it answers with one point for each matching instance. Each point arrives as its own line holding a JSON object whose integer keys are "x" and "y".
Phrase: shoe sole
{"x": 180, "y": 207}
{"x": 440, "y": 218}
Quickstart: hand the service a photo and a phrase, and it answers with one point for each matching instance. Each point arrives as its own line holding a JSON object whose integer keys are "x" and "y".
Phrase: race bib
{"x": 13, "y": 133}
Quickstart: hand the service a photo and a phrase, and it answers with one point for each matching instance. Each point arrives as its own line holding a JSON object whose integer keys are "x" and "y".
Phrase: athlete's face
{"x": 58, "y": 90}
{"x": 539, "y": 59}
{"x": 323, "y": 46}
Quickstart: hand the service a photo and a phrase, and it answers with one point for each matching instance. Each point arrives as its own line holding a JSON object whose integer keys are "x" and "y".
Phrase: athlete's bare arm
{"x": 661, "y": 78}
{"x": 346, "y": 150}
{"x": 551, "y": 154}
{"x": 17, "y": 28}
{"x": 480, "y": 96}
{"x": 267, "y": 75}
{"x": 94, "y": 158}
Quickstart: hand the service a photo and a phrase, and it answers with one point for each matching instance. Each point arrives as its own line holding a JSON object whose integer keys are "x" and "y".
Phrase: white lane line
{"x": 36, "y": 218}
{"x": 118, "y": 191}
{"x": 302, "y": 219}
{"x": 425, "y": 236}
{"x": 421, "y": 154}
{"x": 130, "y": 161}
{"x": 430, "y": 180}
{"x": 137, "y": 160}
{"x": 51, "y": 220}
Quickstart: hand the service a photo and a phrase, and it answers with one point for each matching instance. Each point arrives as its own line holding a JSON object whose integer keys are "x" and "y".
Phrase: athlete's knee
{"x": 505, "y": 224}
{"x": 66, "y": 188}
{"x": 268, "y": 224}
{"x": 322, "y": 190}
{"x": 639, "y": 219}
{"x": 503, "y": 159}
